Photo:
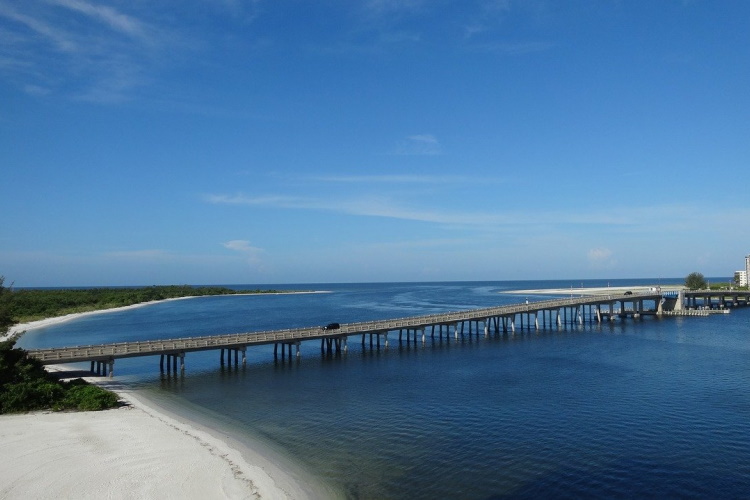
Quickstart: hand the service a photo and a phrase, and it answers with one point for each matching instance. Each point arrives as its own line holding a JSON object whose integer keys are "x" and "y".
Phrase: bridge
{"x": 537, "y": 314}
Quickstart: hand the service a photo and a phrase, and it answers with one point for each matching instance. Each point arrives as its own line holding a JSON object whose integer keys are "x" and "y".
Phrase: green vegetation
{"x": 24, "y": 383}
{"x": 26, "y": 386}
{"x": 6, "y": 317}
{"x": 695, "y": 281}
{"x": 726, "y": 285}
{"x": 29, "y": 305}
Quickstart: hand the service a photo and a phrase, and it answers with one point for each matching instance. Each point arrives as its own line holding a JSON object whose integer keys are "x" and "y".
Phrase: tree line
{"x": 24, "y": 383}
{"x": 26, "y": 386}
{"x": 33, "y": 304}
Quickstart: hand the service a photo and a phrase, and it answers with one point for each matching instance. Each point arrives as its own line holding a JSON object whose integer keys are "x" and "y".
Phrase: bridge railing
{"x": 123, "y": 349}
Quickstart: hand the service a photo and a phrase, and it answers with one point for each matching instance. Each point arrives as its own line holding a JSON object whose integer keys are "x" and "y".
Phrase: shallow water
{"x": 649, "y": 408}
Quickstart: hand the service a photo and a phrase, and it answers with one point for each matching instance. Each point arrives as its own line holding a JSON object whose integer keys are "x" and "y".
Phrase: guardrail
{"x": 235, "y": 340}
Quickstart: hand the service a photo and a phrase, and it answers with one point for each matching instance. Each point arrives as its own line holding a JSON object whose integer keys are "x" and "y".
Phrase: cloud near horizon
{"x": 250, "y": 253}
{"x": 240, "y": 246}
{"x": 384, "y": 206}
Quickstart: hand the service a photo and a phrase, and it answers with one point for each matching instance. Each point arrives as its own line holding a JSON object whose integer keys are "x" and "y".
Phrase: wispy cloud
{"x": 382, "y": 7}
{"x": 117, "y": 21}
{"x": 84, "y": 49}
{"x": 384, "y": 206}
{"x": 489, "y": 14}
{"x": 673, "y": 219}
{"x": 601, "y": 258}
{"x": 251, "y": 253}
{"x": 139, "y": 255}
{"x": 419, "y": 144}
{"x": 513, "y": 48}
{"x": 239, "y": 199}
{"x": 240, "y": 246}
{"x": 397, "y": 179}
{"x": 60, "y": 39}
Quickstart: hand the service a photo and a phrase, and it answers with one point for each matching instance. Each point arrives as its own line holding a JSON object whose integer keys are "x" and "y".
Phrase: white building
{"x": 740, "y": 277}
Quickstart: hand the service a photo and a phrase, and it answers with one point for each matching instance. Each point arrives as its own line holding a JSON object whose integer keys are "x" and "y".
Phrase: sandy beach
{"x": 130, "y": 452}
{"x": 133, "y": 452}
{"x": 19, "y": 328}
{"x": 136, "y": 451}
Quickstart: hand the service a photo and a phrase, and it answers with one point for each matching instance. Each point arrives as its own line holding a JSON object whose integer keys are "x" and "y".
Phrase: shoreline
{"x": 19, "y": 328}
{"x": 601, "y": 290}
{"x": 139, "y": 450}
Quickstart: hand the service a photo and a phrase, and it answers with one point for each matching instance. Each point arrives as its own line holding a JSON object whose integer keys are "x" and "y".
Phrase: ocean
{"x": 649, "y": 408}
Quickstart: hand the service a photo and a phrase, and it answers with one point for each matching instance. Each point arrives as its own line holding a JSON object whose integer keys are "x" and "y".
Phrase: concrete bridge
{"x": 714, "y": 299}
{"x": 537, "y": 314}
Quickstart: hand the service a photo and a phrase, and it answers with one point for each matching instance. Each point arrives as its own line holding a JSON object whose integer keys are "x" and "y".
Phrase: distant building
{"x": 740, "y": 277}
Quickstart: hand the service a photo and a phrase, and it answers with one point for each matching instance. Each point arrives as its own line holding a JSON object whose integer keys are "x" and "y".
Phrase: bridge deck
{"x": 103, "y": 352}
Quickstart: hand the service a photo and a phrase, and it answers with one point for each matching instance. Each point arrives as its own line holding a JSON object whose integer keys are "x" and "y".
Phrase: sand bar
{"x": 604, "y": 290}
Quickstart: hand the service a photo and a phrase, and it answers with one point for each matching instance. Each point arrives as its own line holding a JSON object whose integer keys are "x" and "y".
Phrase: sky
{"x": 152, "y": 142}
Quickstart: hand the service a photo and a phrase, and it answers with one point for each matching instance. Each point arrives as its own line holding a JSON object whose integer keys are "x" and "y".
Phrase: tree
{"x": 6, "y": 318}
{"x": 695, "y": 281}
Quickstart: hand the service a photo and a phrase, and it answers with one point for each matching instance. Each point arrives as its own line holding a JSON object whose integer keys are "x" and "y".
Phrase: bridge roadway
{"x": 568, "y": 310}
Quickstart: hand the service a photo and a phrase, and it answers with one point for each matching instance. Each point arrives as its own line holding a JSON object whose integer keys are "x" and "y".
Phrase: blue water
{"x": 651, "y": 408}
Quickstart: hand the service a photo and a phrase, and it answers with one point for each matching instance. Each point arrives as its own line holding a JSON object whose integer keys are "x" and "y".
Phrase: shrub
{"x": 26, "y": 386}
{"x": 87, "y": 398}
{"x": 29, "y": 396}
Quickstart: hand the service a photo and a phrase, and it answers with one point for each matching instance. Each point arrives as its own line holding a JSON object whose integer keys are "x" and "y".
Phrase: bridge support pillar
{"x": 244, "y": 355}
{"x": 297, "y": 345}
{"x": 111, "y": 368}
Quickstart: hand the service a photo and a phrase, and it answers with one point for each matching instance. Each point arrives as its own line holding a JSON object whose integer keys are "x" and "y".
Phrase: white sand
{"x": 136, "y": 451}
{"x": 605, "y": 290}
{"x": 20, "y": 328}
{"x": 130, "y": 452}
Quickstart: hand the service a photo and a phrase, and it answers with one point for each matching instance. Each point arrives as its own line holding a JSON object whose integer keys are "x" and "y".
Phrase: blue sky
{"x": 271, "y": 141}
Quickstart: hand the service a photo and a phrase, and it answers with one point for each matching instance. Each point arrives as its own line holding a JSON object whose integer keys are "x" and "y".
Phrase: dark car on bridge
{"x": 332, "y": 326}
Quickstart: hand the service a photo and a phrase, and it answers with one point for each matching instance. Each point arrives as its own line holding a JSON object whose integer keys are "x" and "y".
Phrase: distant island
{"x": 26, "y": 305}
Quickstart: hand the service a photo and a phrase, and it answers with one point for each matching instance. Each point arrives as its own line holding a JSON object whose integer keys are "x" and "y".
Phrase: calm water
{"x": 653, "y": 408}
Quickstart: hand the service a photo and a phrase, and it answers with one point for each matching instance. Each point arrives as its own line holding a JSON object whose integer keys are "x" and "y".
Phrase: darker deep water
{"x": 650, "y": 408}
